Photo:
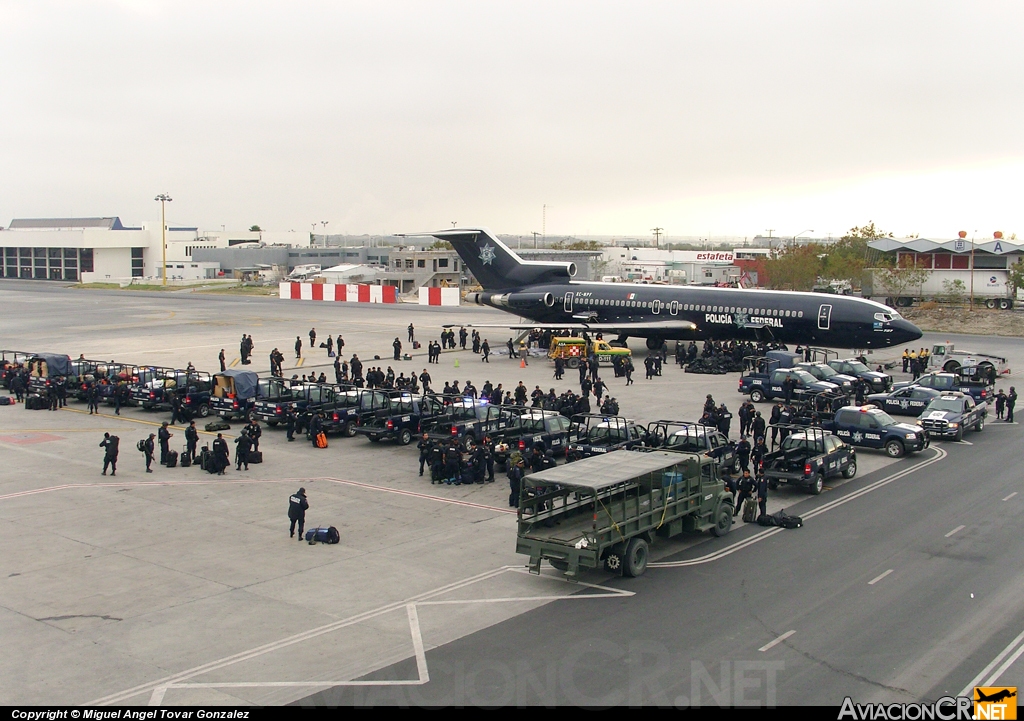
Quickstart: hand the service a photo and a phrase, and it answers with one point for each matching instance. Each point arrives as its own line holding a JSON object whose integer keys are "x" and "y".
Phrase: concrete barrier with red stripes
{"x": 360, "y": 293}
{"x": 439, "y": 296}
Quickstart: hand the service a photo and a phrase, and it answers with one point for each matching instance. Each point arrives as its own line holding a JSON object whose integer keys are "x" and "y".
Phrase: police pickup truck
{"x": 689, "y": 437}
{"x": 764, "y": 386}
{"x": 981, "y": 390}
{"x": 825, "y": 372}
{"x": 529, "y": 428}
{"x": 400, "y": 419}
{"x": 909, "y": 401}
{"x": 467, "y": 420}
{"x": 952, "y": 413}
{"x": 591, "y": 434}
{"x": 299, "y": 397}
{"x": 877, "y": 381}
{"x": 235, "y": 393}
{"x": 155, "y": 393}
{"x": 870, "y": 427}
{"x": 807, "y": 457}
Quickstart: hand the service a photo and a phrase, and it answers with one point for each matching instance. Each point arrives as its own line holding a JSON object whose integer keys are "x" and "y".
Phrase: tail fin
{"x": 495, "y": 265}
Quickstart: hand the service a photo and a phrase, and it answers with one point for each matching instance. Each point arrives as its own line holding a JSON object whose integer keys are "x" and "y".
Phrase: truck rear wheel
{"x": 817, "y": 485}
{"x": 405, "y": 437}
{"x": 204, "y": 410}
{"x": 990, "y": 303}
{"x": 349, "y": 429}
{"x": 756, "y": 395}
{"x": 635, "y": 562}
{"x": 573, "y": 362}
{"x": 723, "y": 521}
{"x": 951, "y": 367}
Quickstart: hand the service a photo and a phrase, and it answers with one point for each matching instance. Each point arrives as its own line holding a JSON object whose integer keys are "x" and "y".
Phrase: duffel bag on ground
{"x": 321, "y": 440}
{"x": 255, "y": 457}
{"x": 214, "y": 426}
{"x": 6, "y": 401}
{"x": 325, "y": 534}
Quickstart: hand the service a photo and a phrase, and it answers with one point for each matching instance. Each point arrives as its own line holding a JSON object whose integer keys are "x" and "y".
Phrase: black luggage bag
{"x": 255, "y": 457}
{"x": 172, "y": 459}
{"x": 326, "y": 534}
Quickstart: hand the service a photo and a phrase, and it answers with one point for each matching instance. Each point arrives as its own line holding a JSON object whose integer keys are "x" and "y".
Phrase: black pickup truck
{"x": 691, "y": 437}
{"x": 952, "y": 413}
{"x": 591, "y": 434}
{"x": 400, "y": 420}
{"x": 155, "y": 393}
{"x": 467, "y": 421}
{"x": 347, "y": 409}
{"x": 807, "y": 457}
{"x": 298, "y": 397}
{"x": 527, "y": 428}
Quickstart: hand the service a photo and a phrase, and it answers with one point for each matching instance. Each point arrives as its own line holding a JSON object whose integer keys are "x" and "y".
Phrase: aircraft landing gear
{"x": 619, "y": 342}
{"x": 655, "y": 343}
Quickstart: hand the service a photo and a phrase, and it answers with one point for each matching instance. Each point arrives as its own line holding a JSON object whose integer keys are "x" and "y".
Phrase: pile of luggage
{"x": 714, "y": 365}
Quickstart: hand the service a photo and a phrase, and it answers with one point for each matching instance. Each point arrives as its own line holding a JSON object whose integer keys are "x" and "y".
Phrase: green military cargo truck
{"x": 608, "y": 509}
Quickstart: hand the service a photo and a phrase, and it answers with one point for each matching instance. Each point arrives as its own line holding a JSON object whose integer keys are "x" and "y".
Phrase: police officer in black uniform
{"x": 254, "y": 431}
{"x": 164, "y": 436}
{"x": 746, "y": 488}
{"x": 289, "y": 423}
{"x": 191, "y": 441}
{"x": 242, "y": 446}
{"x": 424, "y": 447}
{"x": 110, "y": 457}
{"x": 297, "y": 505}
{"x": 762, "y": 494}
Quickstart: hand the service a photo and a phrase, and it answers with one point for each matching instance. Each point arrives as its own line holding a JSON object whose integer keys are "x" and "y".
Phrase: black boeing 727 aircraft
{"x": 546, "y": 296}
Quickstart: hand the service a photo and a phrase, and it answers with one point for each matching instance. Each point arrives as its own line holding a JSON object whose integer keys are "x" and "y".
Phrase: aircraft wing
{"x": 626, "y": 328}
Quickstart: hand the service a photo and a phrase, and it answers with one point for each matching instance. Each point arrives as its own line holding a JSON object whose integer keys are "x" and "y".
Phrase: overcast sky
{"x": 712, "y": 117}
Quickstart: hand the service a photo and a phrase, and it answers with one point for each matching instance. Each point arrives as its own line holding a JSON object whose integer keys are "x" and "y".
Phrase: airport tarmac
{"x": 183, "y": 588}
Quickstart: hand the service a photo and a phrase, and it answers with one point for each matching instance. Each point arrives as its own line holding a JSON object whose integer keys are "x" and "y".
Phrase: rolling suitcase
{"x": 749, "y": 510}
{"x": 205, "y": 458}
{"x": 185, "y": 460}
{"x": 172, "y": 459}
{"x": 255, "y": 457}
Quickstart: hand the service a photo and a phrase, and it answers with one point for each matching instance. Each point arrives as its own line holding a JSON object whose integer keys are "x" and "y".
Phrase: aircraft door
{"x": 655, "y": 306}
{"x": 568, "y": 302}
{"x": 673, "y": 307}
{"x": 824, "y": 317}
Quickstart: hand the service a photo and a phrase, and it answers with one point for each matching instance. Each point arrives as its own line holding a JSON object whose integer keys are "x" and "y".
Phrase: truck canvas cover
{"x": 600, "y": 472}
{"x": 245, "y": 383}
{"x": 56, "y": 364}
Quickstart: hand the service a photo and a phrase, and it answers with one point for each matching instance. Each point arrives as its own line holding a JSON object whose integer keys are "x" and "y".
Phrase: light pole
{"x": 324, "y": 223}
{"x": 809, "y": 230}
{"x": 164, "y": 198}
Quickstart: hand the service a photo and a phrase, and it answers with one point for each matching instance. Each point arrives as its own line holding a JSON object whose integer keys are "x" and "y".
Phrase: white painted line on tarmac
{"x": 757, "y": 537}
{"x": 780, "y": 639}
{"x": 955, "y": 530}
{"x": 968, "y": 690}
{"x": 966, "y": 443}
{"x": 159, "y": 688}
{"x": 1010, "y": 496}
{"x": 879, "y": 577}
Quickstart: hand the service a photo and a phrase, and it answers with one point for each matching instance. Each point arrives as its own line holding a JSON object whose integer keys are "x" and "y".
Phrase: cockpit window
{"x": 887, "y": 316}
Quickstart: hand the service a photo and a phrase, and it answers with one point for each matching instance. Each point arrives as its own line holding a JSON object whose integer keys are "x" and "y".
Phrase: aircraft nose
{"x": 906, "y": 331}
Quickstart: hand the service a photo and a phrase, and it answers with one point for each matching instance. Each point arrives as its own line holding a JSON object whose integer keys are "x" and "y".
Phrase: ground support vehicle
{"x": 692, "y": 437}
{"x": 807, "y": 457}
{"x": 906, "y": 401}
{"x": 949, "y": 415}
{"x": 529, "y": 428}
{"x": 236, "y": 392}
{"x": 977, "y": 386}
{"x": 607, "y": 509}
{"x": 591, "y": 434}
{"x": 467, "y": 421}
{"x": 400, "y": 421}
{"x": 870, "y": 427}
{"x": 877, "y": 381}
{"x": 762, "y": 384}
{"x": 950, "y": 359}
{"x": 573, "y": 350}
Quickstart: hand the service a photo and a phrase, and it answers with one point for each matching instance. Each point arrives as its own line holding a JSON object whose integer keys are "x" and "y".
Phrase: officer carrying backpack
{"x": 141, "y": 445}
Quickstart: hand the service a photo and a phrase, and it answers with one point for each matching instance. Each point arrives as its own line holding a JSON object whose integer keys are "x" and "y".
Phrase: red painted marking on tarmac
{"x": 24, "y": 439}
{"x": 225, "y": 481}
